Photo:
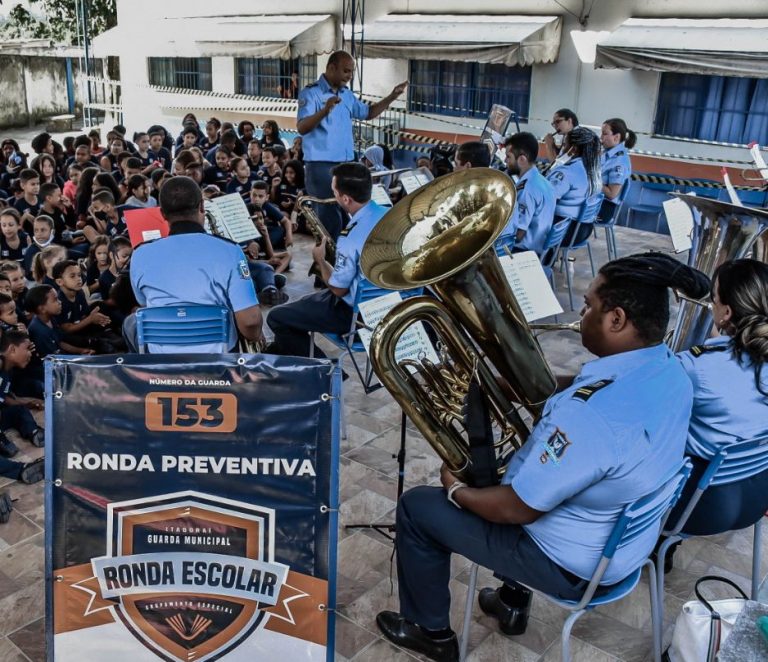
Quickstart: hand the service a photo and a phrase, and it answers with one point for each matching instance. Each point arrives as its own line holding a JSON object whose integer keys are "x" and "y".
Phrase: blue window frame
{"x": 717, "y": 108}
{"x": 189, "y": 73}
{"x": 467, "y": 89}
{"x": 271, "y": 77}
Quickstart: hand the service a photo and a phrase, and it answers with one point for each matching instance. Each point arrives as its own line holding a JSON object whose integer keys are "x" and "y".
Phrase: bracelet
{"x": 452, "y": 490}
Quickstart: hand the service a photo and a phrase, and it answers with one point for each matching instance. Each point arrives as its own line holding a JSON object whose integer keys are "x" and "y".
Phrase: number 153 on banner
{"x": 190, "y": 412}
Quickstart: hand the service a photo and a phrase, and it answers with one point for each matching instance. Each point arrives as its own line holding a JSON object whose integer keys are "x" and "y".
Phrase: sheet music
{"x": 680, "y": 221}
{"x": 415, "y": 179}
{"x": 380, "y": 196}
{"x": 530, "y": 286}
{"x": 232, "y": 217}
{"x": 731, "y": 191}
{"x": 413, "y": 344}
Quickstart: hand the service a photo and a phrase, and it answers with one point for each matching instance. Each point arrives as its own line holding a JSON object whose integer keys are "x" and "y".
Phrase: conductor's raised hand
{"x": 397, "y": 90}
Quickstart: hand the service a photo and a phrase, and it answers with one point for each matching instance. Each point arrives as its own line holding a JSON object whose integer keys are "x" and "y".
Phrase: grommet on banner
{"x": 322, "y": 607}
{"x": 119, "y": 360}
{"x": 325, "y": 509}
{"x": 58, "y": 394}
{"x": 241, "y": 361}
{"x": 325, "y": 397}
{"x": 58, "y": 482}
{"x": 59, "y": 578}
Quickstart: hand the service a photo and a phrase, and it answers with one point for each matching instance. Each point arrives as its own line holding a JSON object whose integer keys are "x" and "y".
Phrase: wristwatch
{"x": 452, "y": 490}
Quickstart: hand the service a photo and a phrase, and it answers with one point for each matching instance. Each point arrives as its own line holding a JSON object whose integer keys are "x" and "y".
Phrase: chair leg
{"x": 660, "y": 555}
{"x": 657, "y": 625}
{"x": 591, "y": 261}
{"x": 756, "y": 532}
{"x": 464, "y": 644}
{"x": 342, "y": 413}
{"x": 568, "y": 279}
{"x": 566, "y": 636}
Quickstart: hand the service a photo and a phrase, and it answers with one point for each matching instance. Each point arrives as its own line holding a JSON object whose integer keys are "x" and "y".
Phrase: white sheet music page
{"x": 530, "y": 286}
{"x": 380, "y": 196}
{"x": 413, "y": 344}
{"x": 680, "y": 222}
{"x": 233, "y": 214}
{"x": 415, "y": 179}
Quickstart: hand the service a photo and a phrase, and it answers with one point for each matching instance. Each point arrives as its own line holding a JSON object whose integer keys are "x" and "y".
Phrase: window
{"x": 467, "y": 89}
{"x": 717, "y": 108}
{"x": 270, "y": 77}
{"x": 189, "y": 73}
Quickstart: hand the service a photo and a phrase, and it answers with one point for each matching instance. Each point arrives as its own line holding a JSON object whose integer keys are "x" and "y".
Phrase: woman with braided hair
{"x": 730, "y": 399}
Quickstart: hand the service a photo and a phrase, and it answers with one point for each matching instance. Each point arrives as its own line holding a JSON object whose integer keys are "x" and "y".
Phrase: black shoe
{"x": 408, "y": 635}
{"x": 7, "y": 447}
{"x": 5, "y": 507}
{"x": 513, "y": 619}
{"x": 38, "y": 438}
{"x": 280, "y": 281}
{"x": 33, "y": 472}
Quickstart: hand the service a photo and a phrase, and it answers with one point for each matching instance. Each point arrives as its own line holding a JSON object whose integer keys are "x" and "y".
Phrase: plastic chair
{"x": 650, "y": 199}
{"x": 637, "y": 518}
{"x": 607, "y": 217}
{"x": 182, "y": 325}
{"x": 733, "y": 463}
{"x": 552, "y": 247}
{"x": 580, "y": 239}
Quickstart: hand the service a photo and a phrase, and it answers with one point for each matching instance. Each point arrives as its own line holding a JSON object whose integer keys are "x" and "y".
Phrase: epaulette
{"x": 311, "y": 84}
{"x": 586, "y": 392}
{"x": 521, "y": 185}
{"x": 698, "y": 350}
{"x": 347, "y": 229}
{"x": 621, "y": 153}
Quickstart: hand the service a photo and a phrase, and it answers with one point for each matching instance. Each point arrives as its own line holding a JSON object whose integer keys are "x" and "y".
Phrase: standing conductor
{"x": 326, "y": 110}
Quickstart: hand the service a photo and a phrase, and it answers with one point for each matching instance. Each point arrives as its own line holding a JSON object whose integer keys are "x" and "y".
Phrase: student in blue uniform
{"x": 324, "y": 120}
{"x": 730, "y": 397}
{"x": 535, "y": 205}
{"x": 589, "y": 455}
{"x": 615, "y": 165}
{"x": 190, "y": 267}
{"x": 330, "y": 310}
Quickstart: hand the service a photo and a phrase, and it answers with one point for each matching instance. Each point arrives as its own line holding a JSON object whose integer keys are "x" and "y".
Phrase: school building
{"x": 689, "y": 76}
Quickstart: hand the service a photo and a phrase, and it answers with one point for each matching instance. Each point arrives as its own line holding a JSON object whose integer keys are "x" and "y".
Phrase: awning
{"x": 265, "y": 36}
{"x": 510, "y": 40}
{"x": 721, "y": 47}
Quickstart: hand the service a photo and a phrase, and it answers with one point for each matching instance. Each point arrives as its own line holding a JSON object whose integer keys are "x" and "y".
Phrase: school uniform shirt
{"x": 287, "y": 193}
{"x": 190, "y": 267}
{"x": 615, "y": 166}
{"x": 72, "y": 311}
{"x": 610, "y": 438}
{"x": 21, "y": 205}
{"x": 243, "y": 189}
{"x": 727, "y": 407}
{"x": 264, "y": 175}
{"x": 47, "y": 339}
{"x": 331, "y": 139}
{"x": 272, "y": 215}
{"x": 346, "y": 271}
{"x": 116, "y": 228}
{"x": 571, "y": 186}
{"x": 206, "y": 145}
{"x": 8, "y": 253}
{"x": 162, "y": 155}
{"x": 106, "y": 281}
{"x": 534, "y": 211}
{"x": 217, "y": 176}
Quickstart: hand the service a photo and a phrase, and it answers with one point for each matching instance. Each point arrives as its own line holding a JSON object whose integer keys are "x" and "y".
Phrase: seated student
{"x": 230, "y": 141}
{"x": 254, "y": 155}
{"x": 94, "y": 136}
{"x": 42, "y": 237}
{"x": 5, "y": 284}
{"x": 107, "y": 220}
{"x": 144, "y": 154}
{"x": 60, "y": 211}
{"x": 246, "y": 130}
{"x": 98, "y": 261}
{"x": 188, "y": 138}
{"x": 270, "y": 172}
{"x": 25, "y": 472}
{"x": 15, "y": 274}
{"x": 137, "y": 192}
{"x": 473, "y": 154}
{"x": 189, "y": 120}
{"x": 82, "y": 326}
{"x": 291, "y": 186}
{"x": 218, "y": 174}
{"x": 160, "y": 156}
{"x": 270, "y": 134}
{"x": 109, "y": 159}
{"x": 330, "y": 310}
{"x": 29, "y": 204}
{"x": 13, "y": 240}
{"x": 120, "y": 251}
{"x": 278, "y": 224}
{"x": 242, "y": 178}
{"x": 44, "y": 305}
{"x": 45, "y": 262}
{"x": 45, "y": 166}
{"x": 211, "y": 138}
{"x": 9, "y": 318}
{"x": 16, "y": 353}
{"x": 535, "y": 204}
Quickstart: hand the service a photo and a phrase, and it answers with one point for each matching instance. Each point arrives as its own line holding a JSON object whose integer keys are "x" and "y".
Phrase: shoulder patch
{"x": 345, "y": 232}
{"x": 521, "y": 185}
{"x": 586, "y": 392}
{"x": 311, "y": 85}
{"x": 557, "y": 176}
{"x": 698, "y": 350}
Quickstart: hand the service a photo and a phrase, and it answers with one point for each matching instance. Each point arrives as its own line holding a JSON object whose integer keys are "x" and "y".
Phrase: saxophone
{"x": 316, "y": 227}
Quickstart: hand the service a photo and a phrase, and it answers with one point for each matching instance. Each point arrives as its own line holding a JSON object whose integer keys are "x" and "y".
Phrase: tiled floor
{"x": 367, "y": 583}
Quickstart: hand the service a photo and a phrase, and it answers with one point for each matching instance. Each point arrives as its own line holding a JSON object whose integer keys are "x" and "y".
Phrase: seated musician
{"x": 590, "y": 454}
{"x": 330, "y": 310}
{"x": 730, "y": 398}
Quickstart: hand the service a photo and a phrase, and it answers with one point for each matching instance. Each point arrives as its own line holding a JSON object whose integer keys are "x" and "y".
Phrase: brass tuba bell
{"x": 442, "y": 236}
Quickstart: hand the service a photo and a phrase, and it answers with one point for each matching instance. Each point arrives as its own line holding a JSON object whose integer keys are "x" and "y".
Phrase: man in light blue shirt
{"x": 330, "y": 311}
{"x": 324, "y": 120}
{"x": 535, "y": 205}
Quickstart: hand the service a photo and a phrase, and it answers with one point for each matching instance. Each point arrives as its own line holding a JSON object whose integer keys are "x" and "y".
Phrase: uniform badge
{"x": 341, "y": 261}
{"x": 554, "y": 447}
{"x": 557, "y": 176}
{"x": 302, "y": 103}
{"x": 522, "y": 207}
{"x": 619, "y": 169}
{"x": 245, "y": 272}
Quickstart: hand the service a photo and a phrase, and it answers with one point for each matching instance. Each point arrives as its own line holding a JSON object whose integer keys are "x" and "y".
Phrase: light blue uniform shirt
{"x": 533, "y": 212}
{"x": 592, "y": 454}
{"x": 192, "y": 268}
{"x": 331, "y": 139}
{"x": 346, "y": 271}
{"x": 615, "y": 166}
{"x": 727, "y": 407}
{"x": 571, "y": 186}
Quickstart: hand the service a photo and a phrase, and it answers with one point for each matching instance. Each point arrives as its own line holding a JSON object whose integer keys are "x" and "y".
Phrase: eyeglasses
{"x": 557, "y": 121}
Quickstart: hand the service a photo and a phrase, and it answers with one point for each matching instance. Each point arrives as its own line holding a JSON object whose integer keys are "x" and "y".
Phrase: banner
{"x": 192, "y": 511}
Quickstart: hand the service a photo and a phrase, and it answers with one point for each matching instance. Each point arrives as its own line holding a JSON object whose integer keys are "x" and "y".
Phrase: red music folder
{"x": 145, "y": 225}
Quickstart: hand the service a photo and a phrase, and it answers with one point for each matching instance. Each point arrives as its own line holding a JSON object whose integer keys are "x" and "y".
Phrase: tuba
{"x": 721, "y": 232}
{"x": 316, "y": 227}
{"x": 442, "y": 235}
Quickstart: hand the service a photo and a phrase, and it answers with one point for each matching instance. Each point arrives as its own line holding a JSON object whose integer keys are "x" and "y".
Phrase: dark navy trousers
{"x": 318, "y": 177}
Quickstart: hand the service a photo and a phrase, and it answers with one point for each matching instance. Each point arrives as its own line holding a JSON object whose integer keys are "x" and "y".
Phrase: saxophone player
{"x": 330, "y": 310}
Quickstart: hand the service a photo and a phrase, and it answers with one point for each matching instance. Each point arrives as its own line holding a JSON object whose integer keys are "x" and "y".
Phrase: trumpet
{"x": 316, "y": 227}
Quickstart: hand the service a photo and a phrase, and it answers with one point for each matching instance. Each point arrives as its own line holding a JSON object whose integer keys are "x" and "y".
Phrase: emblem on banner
{"x": 190, "y": 574}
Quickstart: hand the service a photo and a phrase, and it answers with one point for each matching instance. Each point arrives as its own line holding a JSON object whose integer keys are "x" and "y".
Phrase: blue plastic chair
{"x": 609, "y": 214}
{"x": 733, "y": 463}
{"x": 650, "y": 200}
{"x": 182, "y": 325}
{"x": 586, "y": 216}
{"x": 636, "y": 520}
{"x": 552, "y": 248}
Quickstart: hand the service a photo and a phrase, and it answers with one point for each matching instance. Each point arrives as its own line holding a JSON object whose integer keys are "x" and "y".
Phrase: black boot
{"x": 409, "y": 635}
{"x": 509, "y": 605}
